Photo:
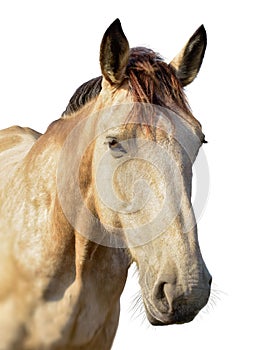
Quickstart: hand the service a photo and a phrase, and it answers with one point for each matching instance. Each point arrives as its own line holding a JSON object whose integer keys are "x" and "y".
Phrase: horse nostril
{"x": 210, "y": 281}
{"x": 162, "y": 297}
{"x": 159, "y": 290}
{"x": 166, "y": 296}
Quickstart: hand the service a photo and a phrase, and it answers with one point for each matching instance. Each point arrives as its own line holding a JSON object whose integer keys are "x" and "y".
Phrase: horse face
{"x": 143, "y": 175}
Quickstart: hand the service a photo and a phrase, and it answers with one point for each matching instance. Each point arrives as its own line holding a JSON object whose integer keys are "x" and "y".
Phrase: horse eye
{"x": 113, "y": 144}
{"x": 116, "y": 147}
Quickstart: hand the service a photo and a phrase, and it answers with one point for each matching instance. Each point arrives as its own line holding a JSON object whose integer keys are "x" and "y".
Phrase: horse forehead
{"x": 116, "y": 121}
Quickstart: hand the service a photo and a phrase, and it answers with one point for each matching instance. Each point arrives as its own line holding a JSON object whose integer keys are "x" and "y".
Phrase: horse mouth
{"x": 164, "y": 319}
{"x": 172, "y": 319}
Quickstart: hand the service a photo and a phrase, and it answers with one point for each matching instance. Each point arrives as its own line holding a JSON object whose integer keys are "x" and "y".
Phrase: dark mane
{"x": 151, "y": 80}
{"x": 83, "y": 94}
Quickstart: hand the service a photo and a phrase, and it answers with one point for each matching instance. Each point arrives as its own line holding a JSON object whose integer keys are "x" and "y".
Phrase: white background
{"x": 48, "y": 48}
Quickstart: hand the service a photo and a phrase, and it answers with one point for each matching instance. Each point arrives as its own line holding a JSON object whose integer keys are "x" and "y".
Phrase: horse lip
{"x": 156, "y": 321}
{"x": 172, "y": 319}
{"x": 152, "y": 318}
{"x": 187, "y": 318}
{"x": 165, "y": 319}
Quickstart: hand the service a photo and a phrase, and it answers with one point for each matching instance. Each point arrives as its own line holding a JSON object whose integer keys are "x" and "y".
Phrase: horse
{"x": 107, "y": 185}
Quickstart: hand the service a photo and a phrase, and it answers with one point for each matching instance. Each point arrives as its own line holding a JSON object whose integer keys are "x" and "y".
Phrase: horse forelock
{"x": 153, "y": 81}
{"x": 150, "y": 81}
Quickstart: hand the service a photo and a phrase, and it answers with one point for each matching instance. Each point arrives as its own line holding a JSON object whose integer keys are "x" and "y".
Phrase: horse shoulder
{"x": 15, "y": 135}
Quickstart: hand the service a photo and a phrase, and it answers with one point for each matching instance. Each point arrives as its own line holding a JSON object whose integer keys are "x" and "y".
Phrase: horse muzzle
{"x": 167, "y": 306}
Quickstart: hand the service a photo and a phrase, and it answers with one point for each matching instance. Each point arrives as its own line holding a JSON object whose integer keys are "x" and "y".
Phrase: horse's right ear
{"x": 114, "y": 53}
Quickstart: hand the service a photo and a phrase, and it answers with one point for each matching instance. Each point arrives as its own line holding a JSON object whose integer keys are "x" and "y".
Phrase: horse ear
{"x": 188, "y": 62}
{"x": 114, "y": 53}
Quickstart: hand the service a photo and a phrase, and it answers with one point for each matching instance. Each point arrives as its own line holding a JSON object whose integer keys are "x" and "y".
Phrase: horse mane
{"x": 85, "y": 93}
{"x": 151, "y": 80}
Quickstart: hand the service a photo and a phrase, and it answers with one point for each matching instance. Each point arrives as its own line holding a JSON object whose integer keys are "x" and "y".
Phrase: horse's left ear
{"x": 188, "y": 62}
{"x": 114, "y": 53}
